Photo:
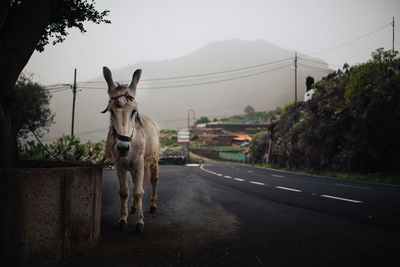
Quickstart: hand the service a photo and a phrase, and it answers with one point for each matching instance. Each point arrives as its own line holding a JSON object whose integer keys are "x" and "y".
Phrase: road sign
{"x": 266, "y": 154}
{"x": 183, "y": 136}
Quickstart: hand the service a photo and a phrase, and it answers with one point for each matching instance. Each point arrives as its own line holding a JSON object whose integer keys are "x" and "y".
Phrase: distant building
{"x": 230, "y": 140}
{"x": 242, "y": 138}
{"x": 201, "y": 125}
{"x": 308, "y": 95}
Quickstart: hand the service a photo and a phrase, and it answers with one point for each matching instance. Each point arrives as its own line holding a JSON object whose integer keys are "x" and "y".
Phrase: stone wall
{"x": 49, "y": 213}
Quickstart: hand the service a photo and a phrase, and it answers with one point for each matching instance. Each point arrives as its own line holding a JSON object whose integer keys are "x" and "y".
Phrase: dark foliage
{"x": 309, "y": 82}
{"x": 351, "y": 123}
{"x": 202, "y": 120}
{"x": 31, "y": 110}
{"x": 71, "y": 14}
{"x": 249, "y": 110}
{"x": 258, "y": 146}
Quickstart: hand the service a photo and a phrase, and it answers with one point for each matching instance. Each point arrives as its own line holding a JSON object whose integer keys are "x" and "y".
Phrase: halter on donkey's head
{"x": 120, "y": 96}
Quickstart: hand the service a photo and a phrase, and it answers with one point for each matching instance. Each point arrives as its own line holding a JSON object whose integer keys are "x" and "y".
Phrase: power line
{"x": 57, "y": 85}
{"x": 313, "y": 67}
{"x": 202, "y": 83}
{"x": 176, "y": 82}
{"x": 204, "y": 74}
{"x": 58, "y": 90}
{"x": 318, "y": 62}
{"x": 349, "y": 42}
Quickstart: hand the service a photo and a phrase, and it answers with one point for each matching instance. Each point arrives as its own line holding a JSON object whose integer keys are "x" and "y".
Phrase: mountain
{"x": 221, "y": 94}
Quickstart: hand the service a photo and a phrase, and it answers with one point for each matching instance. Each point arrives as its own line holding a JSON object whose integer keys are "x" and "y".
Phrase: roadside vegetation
{"x": 351, "y": 124}
{"x": 254, "y": 115}
{"x": 66, "y": 148}
{"x": 30, "y": 111}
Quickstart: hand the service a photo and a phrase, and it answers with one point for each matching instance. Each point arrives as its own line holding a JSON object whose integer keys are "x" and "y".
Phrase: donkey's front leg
{"x": 138, "y": 192}
{"x": 124, "y": 195}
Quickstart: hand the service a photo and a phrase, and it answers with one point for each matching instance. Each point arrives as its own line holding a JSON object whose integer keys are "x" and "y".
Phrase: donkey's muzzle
{"x": 122, "y": 150}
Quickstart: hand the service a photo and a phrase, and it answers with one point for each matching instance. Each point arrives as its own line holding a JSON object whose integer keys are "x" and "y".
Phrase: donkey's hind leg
{"x": 124, "y": 195}
{"x": 154, "y": 183}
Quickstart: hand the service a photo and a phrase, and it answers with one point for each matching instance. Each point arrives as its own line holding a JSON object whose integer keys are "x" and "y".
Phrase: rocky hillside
{"x": 350, "y": 124}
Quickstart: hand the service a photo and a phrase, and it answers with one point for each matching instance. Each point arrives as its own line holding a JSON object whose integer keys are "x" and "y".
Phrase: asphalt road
{"x": 226, "y": 214}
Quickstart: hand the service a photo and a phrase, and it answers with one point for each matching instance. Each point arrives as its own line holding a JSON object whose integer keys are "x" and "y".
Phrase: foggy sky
{"x": 166, "y": 29}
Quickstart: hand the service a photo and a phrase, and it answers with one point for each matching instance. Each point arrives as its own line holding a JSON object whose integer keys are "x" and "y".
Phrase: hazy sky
{"x": 165, "y": 29}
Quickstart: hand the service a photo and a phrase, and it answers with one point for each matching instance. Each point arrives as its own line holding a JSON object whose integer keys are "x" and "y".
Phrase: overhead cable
{"x": 349, "y": 42}
{"x": 201, "y": 83}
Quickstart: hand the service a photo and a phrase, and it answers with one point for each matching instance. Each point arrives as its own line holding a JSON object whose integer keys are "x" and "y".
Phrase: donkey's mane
{"x": 121, "y": 86}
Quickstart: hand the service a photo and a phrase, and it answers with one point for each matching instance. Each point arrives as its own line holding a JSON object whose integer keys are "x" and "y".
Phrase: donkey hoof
{"x": 139, "y": 228}
{"x": 133, "y": 210}
{"x": 153, "y": 209}
{"x": 122, "y": 225}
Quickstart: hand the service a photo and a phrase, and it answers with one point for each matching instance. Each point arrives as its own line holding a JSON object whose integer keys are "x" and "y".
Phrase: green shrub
{"x": 66, "y": 148}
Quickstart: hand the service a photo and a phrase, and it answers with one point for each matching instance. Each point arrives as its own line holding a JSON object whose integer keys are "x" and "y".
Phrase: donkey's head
{"x": 123, "y": 111}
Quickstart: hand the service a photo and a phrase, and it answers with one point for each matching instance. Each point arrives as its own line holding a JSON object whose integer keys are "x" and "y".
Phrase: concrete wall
{"x": 49, "y": 213}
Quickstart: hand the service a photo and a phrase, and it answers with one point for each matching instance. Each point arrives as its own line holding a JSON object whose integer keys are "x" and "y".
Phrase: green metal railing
{"x": 233, "y": 156}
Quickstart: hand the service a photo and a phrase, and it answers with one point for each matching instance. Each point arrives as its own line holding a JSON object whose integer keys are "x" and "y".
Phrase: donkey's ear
{"x": 108, "y": 76}
{"x": 135, "y": 79}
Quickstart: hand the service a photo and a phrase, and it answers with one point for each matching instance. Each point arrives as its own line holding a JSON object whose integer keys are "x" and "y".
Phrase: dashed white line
{"x": 354, "y": 186}
{"x": 250, "y": 171}
{"x": 257, "y": 183}
{"x": 340, "y": 198}
{"x": 293, "y": 189}
{"x": 287, "y": 188}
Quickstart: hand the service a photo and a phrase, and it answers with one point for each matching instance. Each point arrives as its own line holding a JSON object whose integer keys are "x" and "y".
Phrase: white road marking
{"x": 239, "y": 179}
{"x": 218, "y": 174}
{"x": 227, "y": 176}
{"x": 287, "y": 188}
{"x": 202, "y": 167}
{"x": 257, "y": 183}
{"x": 340, "y": 198}
{"x": 276, "y": 175}
{"x": 250, "y": 171}
{"x": 192, "y": 165}
{"x": 354, "y": 186}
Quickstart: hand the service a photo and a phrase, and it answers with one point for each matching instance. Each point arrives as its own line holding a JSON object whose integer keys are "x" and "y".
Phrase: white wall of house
{"x": 308, "y": 95}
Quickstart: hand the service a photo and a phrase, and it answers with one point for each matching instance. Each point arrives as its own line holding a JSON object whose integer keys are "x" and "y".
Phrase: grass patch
{"x": 371, "y": 178}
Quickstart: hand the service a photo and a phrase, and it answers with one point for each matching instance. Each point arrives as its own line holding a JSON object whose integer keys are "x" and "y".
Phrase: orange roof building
{"x": 242, "y": 137}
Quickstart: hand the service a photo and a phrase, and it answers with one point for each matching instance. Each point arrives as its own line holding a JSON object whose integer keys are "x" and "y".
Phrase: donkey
{"x": 133, "y": 145}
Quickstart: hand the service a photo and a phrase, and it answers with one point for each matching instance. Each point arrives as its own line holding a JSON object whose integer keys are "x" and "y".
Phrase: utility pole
{"x": 187, "y": 144}
{"x": 295, "y": 78}
{"x": 73, "y": 104}
{"x": 393, "y": 35}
